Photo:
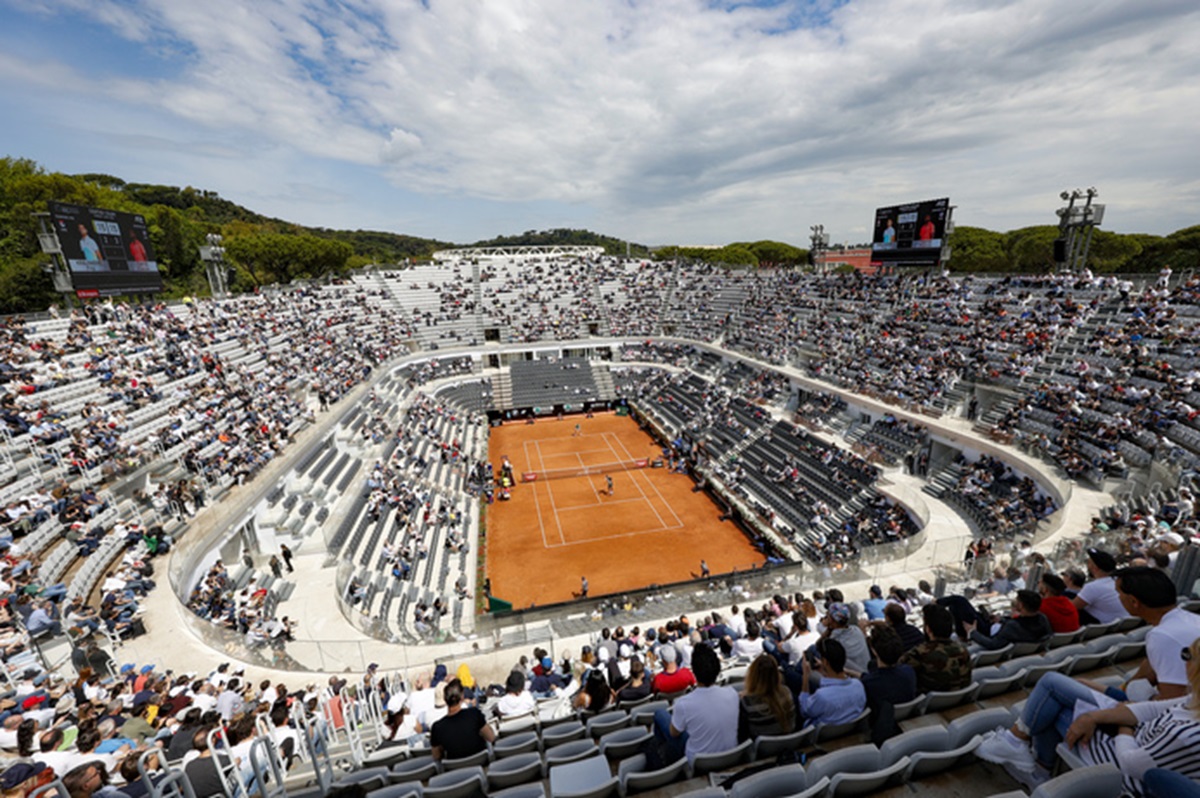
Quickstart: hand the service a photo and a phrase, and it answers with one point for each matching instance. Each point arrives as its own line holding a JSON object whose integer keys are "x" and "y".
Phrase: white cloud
{"x": 676, "y": 119}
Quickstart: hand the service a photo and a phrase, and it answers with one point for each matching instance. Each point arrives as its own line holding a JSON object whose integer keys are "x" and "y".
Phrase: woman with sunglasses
{"x": 1136, "y": 737}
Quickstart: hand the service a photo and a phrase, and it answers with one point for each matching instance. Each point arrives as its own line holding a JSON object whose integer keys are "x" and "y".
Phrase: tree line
{"x": 263, "y": 250}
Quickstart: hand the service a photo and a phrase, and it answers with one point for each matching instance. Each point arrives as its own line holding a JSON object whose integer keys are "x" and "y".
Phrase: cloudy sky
{"x": 660, "y": 121}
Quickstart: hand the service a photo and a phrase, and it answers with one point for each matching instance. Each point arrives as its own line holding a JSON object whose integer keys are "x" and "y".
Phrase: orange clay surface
{"x": 652, "y": 530}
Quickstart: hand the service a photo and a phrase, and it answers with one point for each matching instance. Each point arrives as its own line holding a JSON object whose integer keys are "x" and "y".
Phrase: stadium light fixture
{"x": 1075, "y": 228}
{"x": 213, "y": 255}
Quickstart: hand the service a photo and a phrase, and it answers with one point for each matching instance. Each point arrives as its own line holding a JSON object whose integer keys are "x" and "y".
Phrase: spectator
{"x": 463, "y": 732}
{"x": 1059, "y": 609}
{"x": 1027, "y": 625}
{"x": 517, "y": 700}
{"x": 704, "y": 721}
{"x": 840, "y": 698}
{"x": 890, "y": 683}
{"x": 766, "y": 706}
{"x": 1097, "y": 601}
{"x": 941, "y": 663}
{"x": 852, "y": 640}
{"x": 1149, "y": 594}
{"x": 673, "y": 678}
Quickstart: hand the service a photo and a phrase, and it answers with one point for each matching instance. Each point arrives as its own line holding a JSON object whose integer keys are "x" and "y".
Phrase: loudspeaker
{"x": 1060, "y": 250}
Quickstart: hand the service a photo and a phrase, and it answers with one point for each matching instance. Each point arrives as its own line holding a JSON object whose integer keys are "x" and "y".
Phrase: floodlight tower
{"x": 213, "y": 255}
{"x": 819, "y": 243}
{"x": 57, "y": 267}
{"x": 1076, "y": 224}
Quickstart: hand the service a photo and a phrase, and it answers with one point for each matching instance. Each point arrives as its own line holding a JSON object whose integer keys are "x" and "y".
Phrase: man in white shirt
{"x": 736, "y": 623}
{"x": 1098, "y": 601}
{"x": 517, "y": 700}
{"x": 705, "y": 720}
{"x": 1150, "y": 595}
{"x": 230, "y": 702}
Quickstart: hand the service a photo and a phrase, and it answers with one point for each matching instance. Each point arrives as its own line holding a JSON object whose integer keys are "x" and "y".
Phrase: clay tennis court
{"x": 652, "y": 530}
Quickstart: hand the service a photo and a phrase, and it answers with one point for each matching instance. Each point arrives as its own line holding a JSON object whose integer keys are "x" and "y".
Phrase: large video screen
{"x": 108, "y": 252}
{"x": 910, "y": 234}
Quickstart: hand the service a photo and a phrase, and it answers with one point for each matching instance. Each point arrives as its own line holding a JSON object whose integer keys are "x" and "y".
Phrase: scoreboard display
{"x": 911, "y": 234}
{"x": 107, "y": 252}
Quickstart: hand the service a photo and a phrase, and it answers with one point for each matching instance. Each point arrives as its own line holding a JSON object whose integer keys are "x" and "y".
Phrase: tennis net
{"x": 584, "y": 471}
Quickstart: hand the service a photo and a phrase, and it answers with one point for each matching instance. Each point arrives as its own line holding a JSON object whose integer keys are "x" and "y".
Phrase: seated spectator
{"x": 202, "y": 771}
{"x": 463, "y": 732}
{"x": 1059, "y": 609}
{"x": 673, "y": 678}
{"x": 1097, "y": 601}
{"x": 890, "y": 683}
{"x": 751, "y": 645}
{"x": 1149, "y": 594}
{"x": 851, "y": 638}
{"x": 941, "y": 663}
{"x": 44, "y": 618}
{"x": 766, "y": 706}
{"x": 595, "y": 694}
{"x": 897, "y": 619}
{"x": 1135, "y": 737}
{"x": 638, "y": 685}
{"x": 840, "y": 698}
{"x": 874, "y": 605}
{"x": 1027, "y": 625}
{"x": 800, "y": 639}
{"x": 705, "y": 721}
{"x": 517, "y": 700}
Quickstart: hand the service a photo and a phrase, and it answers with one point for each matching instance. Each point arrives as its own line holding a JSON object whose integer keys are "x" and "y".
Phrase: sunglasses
{"x": 1186, "y": 655}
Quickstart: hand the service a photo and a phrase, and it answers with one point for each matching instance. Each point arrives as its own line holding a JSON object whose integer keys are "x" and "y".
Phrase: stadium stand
{"x": 122, "y": 422}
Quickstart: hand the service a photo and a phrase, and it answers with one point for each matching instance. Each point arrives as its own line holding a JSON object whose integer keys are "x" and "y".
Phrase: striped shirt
{"x": 1167, "y": 736}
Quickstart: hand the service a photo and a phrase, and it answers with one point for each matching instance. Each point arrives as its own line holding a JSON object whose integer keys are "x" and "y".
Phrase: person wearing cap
{"x": 618, "y": 669}
{"x": 24, "y": 777}
{"x": 1097, "y": 601}
{"x": 673, "y": 678}
{"x": 549, "y": 681}
{"x": 837, "y": 626}
{"x": 1168, "y": 543}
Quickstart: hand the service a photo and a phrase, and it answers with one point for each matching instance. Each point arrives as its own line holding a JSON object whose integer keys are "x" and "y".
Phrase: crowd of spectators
{"x": 102, "y": 392}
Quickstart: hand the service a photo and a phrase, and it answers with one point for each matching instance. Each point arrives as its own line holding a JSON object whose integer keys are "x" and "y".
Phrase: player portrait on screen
{"x": 137, "y": 250}
{"x": 928, "y": 232}
{"x": 889, "y": 233}
{"x": 91, "y": 250}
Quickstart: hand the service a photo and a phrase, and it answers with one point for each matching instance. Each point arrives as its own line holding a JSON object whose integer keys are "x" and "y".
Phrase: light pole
{"x": 1071, "y": 248}
{"x": 213, "y": 255}
{"x": 819, "y": 243}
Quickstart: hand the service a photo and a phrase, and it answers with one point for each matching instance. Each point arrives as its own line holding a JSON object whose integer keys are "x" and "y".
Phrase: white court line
{"x": 620, "y": 535}
{"x": 652, "y": 485}
{"x": 600, "y": 504}
{"x": 637, "y": 484}
{"x": 553, "y": 505}
{"x": 536, "y": 504}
